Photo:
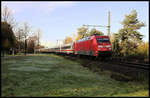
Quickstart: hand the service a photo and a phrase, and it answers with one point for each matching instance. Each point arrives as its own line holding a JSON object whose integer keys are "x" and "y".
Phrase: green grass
{"x": 51, "y": 75}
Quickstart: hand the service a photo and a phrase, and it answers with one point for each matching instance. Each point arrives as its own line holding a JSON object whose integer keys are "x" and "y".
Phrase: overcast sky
{"x": 60, "y": 19}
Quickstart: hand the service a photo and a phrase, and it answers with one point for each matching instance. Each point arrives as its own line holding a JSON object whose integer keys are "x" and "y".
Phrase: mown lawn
{"x": 51, "y": 75}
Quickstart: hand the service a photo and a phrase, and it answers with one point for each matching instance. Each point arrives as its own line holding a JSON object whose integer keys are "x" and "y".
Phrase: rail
{"x": 124, "y": 63}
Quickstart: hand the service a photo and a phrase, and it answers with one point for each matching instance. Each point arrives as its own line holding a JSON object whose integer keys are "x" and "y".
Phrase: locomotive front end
{"x": 104, "y": 47}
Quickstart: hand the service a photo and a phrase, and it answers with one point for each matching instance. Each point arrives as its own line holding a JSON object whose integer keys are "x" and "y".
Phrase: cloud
{"x": 47, "y": 7}
{"x": 54, "y": 5}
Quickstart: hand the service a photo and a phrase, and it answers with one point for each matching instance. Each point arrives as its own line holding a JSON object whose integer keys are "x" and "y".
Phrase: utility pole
{"x": 109, "y": 24}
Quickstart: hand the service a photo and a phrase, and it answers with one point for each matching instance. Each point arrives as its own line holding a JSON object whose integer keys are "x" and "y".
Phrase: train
{"x": 95, "y": 46}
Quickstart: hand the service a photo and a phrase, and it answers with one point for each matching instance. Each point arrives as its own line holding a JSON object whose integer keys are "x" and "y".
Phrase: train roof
{"x": 88, "y": 38}
{"x": 64, "y": 45}
{"x": 67, "y": 45}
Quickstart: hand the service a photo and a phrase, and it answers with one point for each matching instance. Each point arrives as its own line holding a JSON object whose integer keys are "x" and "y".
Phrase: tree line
{"x": 127, "y": 42}
{"x": 81, "y": 33}
{"x": 17, "y": 39}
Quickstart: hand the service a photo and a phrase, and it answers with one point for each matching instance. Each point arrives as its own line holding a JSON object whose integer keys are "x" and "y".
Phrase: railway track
{"x": 120, "y": 70}
{"x": 125, "y": 63}
{"x": 132, "y": 65}
{"x": 119, "y": 62}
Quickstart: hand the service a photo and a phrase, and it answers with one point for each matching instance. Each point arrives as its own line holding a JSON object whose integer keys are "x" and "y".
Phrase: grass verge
{"x": 51, "y": 75}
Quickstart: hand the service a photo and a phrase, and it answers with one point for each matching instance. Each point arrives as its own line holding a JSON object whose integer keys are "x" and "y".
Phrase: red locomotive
{"x": 95, "y": 45}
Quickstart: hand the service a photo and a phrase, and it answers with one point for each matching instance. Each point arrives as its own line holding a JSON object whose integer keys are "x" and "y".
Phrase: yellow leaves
{"x": 147, "y": 48}
{"x": 82, "y": 31}
{"x": 142, "y": 48}
{"x": 78, "y": 37}
{"x": 68, "y": 40}
{"x": 147, "y": 45}
{"x": 122, "y": 51}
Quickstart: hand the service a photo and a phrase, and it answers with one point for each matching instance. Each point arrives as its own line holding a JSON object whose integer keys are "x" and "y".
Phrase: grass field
{"x": 51, "y": 75}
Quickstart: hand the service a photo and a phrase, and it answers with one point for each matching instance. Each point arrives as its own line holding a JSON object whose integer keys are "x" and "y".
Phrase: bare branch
{"x": 7, "y": 16}
{"x": 26, "y": 29}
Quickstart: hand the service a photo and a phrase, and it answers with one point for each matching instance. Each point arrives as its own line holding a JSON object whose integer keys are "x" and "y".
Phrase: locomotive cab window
{"x": 103, "y": 40}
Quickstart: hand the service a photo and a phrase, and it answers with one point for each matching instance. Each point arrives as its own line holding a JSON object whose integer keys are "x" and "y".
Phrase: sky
{"x": 59, "y": 19}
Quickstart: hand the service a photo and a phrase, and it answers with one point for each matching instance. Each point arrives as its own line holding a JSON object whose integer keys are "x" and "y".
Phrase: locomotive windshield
{"x": 102, "y": 40}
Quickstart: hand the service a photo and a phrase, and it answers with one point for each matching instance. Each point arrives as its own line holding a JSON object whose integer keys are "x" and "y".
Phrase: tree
{"x": 94, "y": 31}
{"x": 81, "y": 33}
{"x": 26, "y": 30}
{"x": 129, "y": 35}
{"x": 20, "y": 46}
{"x": 8, "y": 38}
{"x": 68, "y": 40}
{"x": 7, "y": 16}
{"x": 115, "y": 45}
{"x": 143, "y": 49}
{"x": 19, "y": 36}
{"x": 31, "y": 46}
{"x": 31, "y": 43}
{"x": 39, "y": 32}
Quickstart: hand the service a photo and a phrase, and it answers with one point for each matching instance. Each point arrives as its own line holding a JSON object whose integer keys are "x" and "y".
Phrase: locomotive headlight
{"x": 108, "y": 46}
{"x": 100, "y": 46}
